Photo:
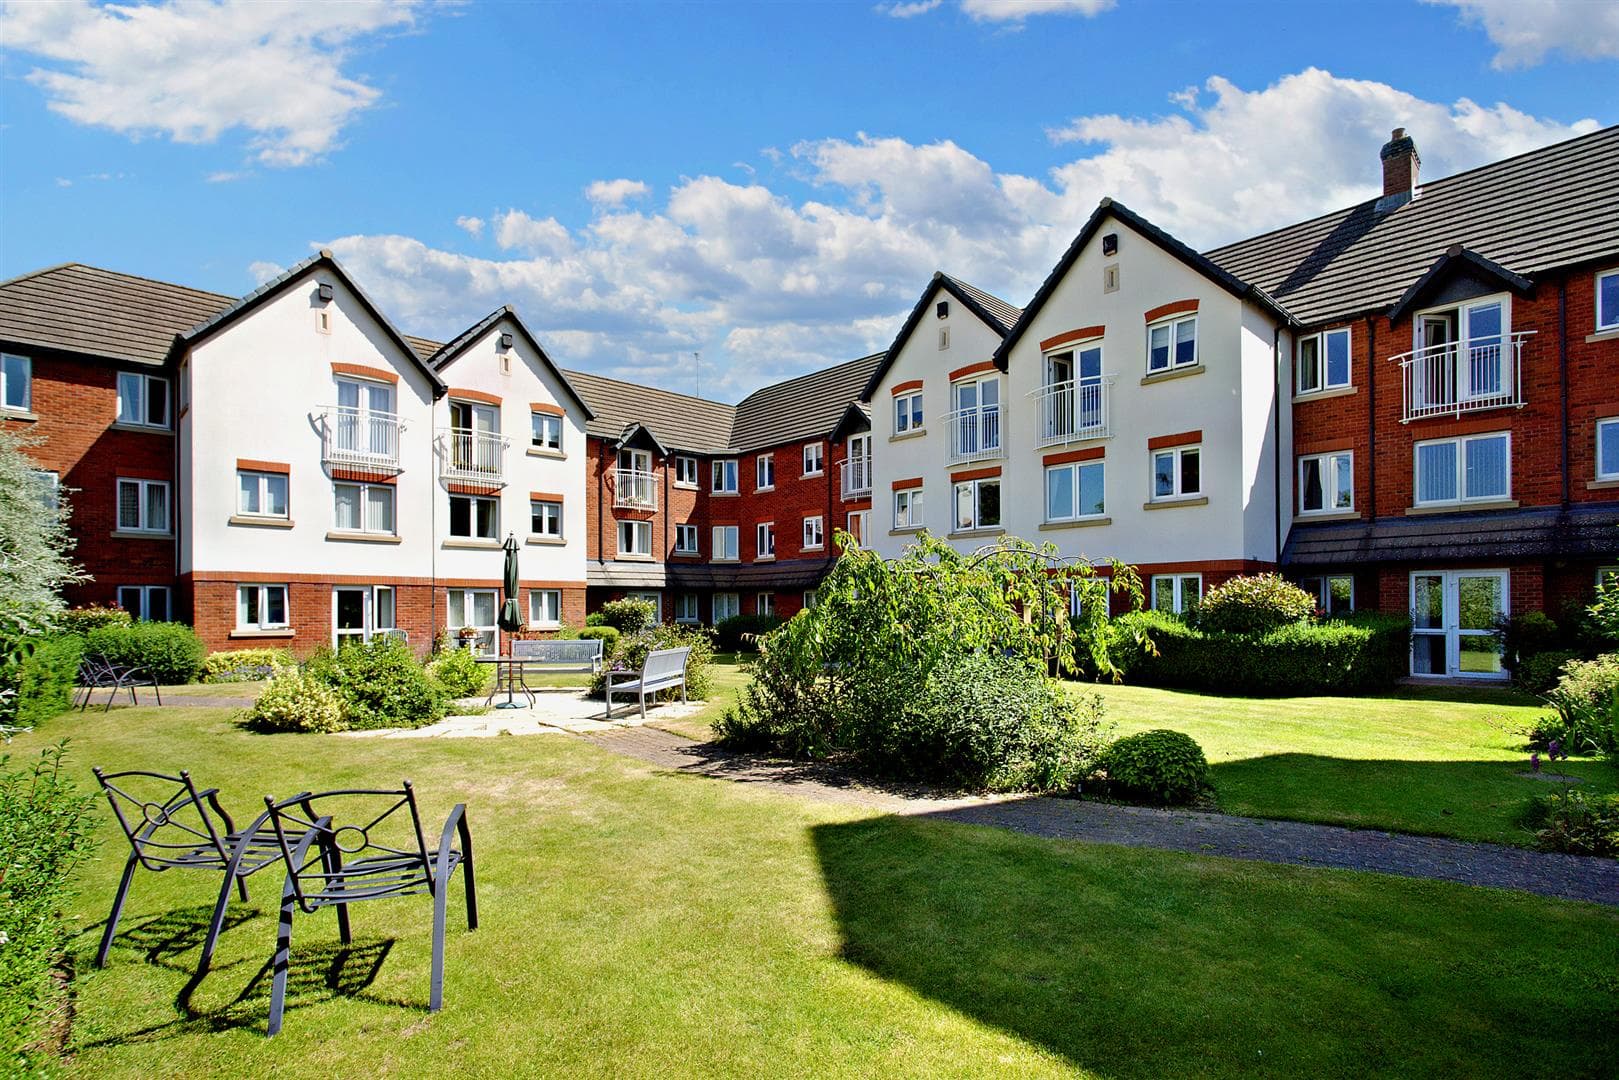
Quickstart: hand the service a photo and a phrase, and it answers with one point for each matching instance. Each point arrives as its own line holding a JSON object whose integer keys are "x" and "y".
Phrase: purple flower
{"x": 1534, "y": 761}
{"x": 1554, "y": 749}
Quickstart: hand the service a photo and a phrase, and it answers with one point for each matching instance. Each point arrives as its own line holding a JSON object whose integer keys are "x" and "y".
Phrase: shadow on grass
{"x": 1147, "y": 964}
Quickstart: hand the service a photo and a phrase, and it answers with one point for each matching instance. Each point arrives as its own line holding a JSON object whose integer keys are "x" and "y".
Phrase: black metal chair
{"x": 171, "y": 826}
{"x": 99, "y": 673}
{"x": 333, "y": 864}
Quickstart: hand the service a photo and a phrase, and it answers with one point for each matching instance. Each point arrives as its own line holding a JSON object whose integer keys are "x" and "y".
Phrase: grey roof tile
{"x": 1502, "y": 534}
{"x": 808, "y": 407}
{"x": 101, "y": 313}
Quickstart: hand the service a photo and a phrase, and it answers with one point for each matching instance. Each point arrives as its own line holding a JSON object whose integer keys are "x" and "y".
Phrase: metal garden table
{"x": 508, "y": 670}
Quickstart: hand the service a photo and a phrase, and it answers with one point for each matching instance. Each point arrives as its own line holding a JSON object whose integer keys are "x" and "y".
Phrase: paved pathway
{"x": 1570, "y": 877}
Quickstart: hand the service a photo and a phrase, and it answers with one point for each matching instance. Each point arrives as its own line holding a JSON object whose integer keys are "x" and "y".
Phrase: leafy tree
{"x": 35, "y": 546}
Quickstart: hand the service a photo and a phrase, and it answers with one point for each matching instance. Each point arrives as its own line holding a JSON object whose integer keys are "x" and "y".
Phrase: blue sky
{"x": 770, "y": 184}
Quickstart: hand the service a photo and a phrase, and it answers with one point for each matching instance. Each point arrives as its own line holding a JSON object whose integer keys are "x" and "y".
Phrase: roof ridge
{"x": 570, "y": 372}
{"x": 74, "y": 265}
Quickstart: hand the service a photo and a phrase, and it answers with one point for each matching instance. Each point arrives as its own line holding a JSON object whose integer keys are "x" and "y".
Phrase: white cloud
{"x": 769, "y": 285}
{"x": 227, "y": 176}
{"x": 262, "y": 271}
{"x": 1524, "y": 31}
{"x": 616, "y": 192}
{"x": 192, "y": 70}
{"x": 472, "y": 225}
{"x": 908, "y": 10}
{"x": 1015, "y": 11}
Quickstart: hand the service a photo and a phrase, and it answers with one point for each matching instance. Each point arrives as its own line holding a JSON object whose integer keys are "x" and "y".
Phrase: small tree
{"x": 1253, "y": 605}
{"x": 35, "y": 546}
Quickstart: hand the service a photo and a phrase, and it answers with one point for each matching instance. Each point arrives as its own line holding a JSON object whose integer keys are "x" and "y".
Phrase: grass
{"x": 643, "y": 923}
{"x": 1437, "y": 761}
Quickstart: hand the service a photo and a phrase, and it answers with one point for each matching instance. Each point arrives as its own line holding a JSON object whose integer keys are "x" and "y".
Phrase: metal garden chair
{"x": 171, "y": 825}
{"x": 332, "y": 864}
{"x": 98, "y": 673}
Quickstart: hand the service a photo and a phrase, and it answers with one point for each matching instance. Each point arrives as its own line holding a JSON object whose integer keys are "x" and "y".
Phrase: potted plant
{"x": 466, "y": 636}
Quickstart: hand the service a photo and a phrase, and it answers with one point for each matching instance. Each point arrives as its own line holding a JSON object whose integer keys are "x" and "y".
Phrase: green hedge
{"x": 741, "y": 633}
{"x": 1360, "y": 652}
{"x": 45, "y": 678}
{"x": 246, "y": 665}
{"x": 170, "y": 652}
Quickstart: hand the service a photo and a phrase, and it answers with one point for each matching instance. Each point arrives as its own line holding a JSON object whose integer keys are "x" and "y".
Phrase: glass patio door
{"x": 349, "y": 616}
{"x": 1454, "y": 614}
{"x": 1484, "y": 375}
{"x": 364, "y": 418}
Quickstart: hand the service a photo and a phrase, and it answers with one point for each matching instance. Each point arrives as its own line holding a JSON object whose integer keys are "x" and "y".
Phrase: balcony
{"x": 975, "y": 434}
{"x": 1460, "y": 377}
{"x": 635, "y": 489}
{"x": 476, "y": 457}
{"x": 1073, "y": 412}
{"x": 356, "y": 438}
{"x": 855, "y": 476}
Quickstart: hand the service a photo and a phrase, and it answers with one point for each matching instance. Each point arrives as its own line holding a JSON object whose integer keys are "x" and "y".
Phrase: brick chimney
{"x": 1401, "y": 164}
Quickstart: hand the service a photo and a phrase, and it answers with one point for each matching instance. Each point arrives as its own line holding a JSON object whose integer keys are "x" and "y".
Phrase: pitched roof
{"x": 447, "y": 354}
{"x": 85, "y": 309}
{"x": 1458, "y": 260}
{"x": 678, "y": 421}
{"x": 808, "y": 407}
{"x": 1552, "y": 207}
{"x": 991, "y": 310}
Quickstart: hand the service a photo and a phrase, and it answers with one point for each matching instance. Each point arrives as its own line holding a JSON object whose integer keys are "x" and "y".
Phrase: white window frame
{"x": 814, "y": 459}
{"x": 764, "y": 472}
{"x": 685, "y": 471}
{"x": 636, "y": 530}
{"x": 1320, "y": 586}
{"x": 684, "y": 531}
{"x": 687, "y": 608}
{"x": 366, "y": 524}
{"x": 764, "y": 541}
{"x": 726, "y": 605}
{"x": 1613, "y": 316}
{"x": 535, "y": 506}
{"x": 1460, "y": 442}
{"x": 377, "y": 593}
{"x": 144, "y": 385}
{"x": 814, "y": 532}
{"x": 858, "y": 525}
{"x": 142, "y": 608}
{"x": 1171, "y": 325}
{"x": 1178, "y": 602}
{"x": 1449, "y": 627}
{"x": 911, "y": 518}
{"x": 549, "y": 424}
{"x": 724, "y": 476}
{"x": 1322, "y": 369}
{"x": 1611, "y": 425}
{"x": 9, "y": 365}
{"x": 810, "y": 598}
{"x": 1076, "y": 468}
{"x": 908, "y": 416}
{"x": 1329, "y": 482}
{"x": 538, "y": 617}
{"x": 262, "y": 482}
{"x": 764, "y": 603}
{"x": 1179, "y": 453}
{"x": 488, "y": 633}
{"x": 975, "y": 494}
{"x": 144, "y": 486}
{"x": 472, "y": 517}
{"x": 652, "y": 597}
{"x": 727, "y": 543}
{"x": 49, "y": 483}
{"x": 261, "y": 594}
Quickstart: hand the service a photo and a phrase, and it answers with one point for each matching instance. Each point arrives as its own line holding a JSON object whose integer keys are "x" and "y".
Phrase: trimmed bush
{"x": 606, "y": 634}
{"x": 1586, "y": 704}
{"x": 380, "y": 684}
{"x": 740, "y": 633}
{"x": 44, "y": 679}
{"x": 1161, "y": 767}
{"x": 1255, "y": 604}
{"x": 170, "y": 652}
{"x": 296, "y": 701}
{"x": 246, "y": 665}
{"x": 1575, "y": 822}
{"x": 627, "y": 616}
{"x": 631, "y": 651}
{"x": 1355, "y": 653}
{"x": 82, "y": 620}
{"x": 457, "y": 673}
{"x": 1538, "y": 672}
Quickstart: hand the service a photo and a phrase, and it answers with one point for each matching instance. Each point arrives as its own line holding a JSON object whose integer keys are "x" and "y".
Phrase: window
{"x": 1608, "y": 449}
{"x": 810, "y": 599}
{"x": 1172, "y": 344}
{"x": 727, "y": 605}
{"x": 1607, "y": 301}
{"x": 547, "y": 433}
{"x": 814, "y": 532}
{"x": 814, "y": 459}
{"x": 1074, "y": 491}
{"x": 260, "y": 494}
{"x": 944, "y": 338}
{"x": 47, "y": 487}
{"x": 360, "y": 613}
{"x": 685, "y": 471}
{"x": 1176, "y": 593}
{"x": 261, "y": 607}
{"x": 653, "y": 598}
{"x": 474, "y": 517}
{"x": 545, "y": 608}
{"x": 857, "y": 524}
{"x": 365, "y": 426}
{"x": 149, "y": 602}
{"x": 686, "y": 608}
{"x": 765, "y": 540}
{"x": 978, "y": 504}
{"x": 975, "y": 423}
{"x": 765, "y": 604}
{"x": 1334, "y": 593}
{"x": 143, "y": 400}
{"x": 725, "y": 543}
{"x": 16, "y": 382}
{"x": 545, "y": 518}
{"x": 143, "y": 506}
{"x": 1326, "y": 483}
{"x": 764, "y": 472}
{"x": 1469, "y": 469}
{"x": 634, "y": 538}
{"x": 908, "y": 508}
{"x": 475, "y": 609}
{"x": 685, "y": 539}
{"x": 367, "y": 508}
{"x": 1323, "y": 361}
{"x": 908, "y": 413}
{"x": 383, "y": 608}
{"x": 725, "y": 476}
{"x": 1177, "y": 473}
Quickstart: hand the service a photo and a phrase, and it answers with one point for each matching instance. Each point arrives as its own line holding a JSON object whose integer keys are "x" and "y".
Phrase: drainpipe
{"x": 1562, "y": 384}
{"x": 1371, "y": 418}
{"x": 1276, "y": 410}
{"x": 433, "y": 542}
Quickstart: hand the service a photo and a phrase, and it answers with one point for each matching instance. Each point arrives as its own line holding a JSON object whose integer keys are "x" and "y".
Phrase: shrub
{"x": 741, "y": 632}
{"x": 1602, "y": 617}
{"x": 43, "y": 679}
{"x": 630, "y": 653}
{"x": 457, "y": 673}
{"x": 82, "y": 620}
{"x": 1538, "y": 672}
{"x": 46, "y": 831}
{"x": 1162, "y": 767}
{"x": 170, "y": 652}
{"x": 606, "y": 634}
{"x": 296, "y": 701}
{"x": 1586, "y": 708}
{"x": 1577, "y": 823}
{"x": 1255, "y": 604}
{"x": 1525, "y": 635}
{"x": 627, "y": 616}
{"x": 380, "y": 684}
{"x": 246, "y": 665}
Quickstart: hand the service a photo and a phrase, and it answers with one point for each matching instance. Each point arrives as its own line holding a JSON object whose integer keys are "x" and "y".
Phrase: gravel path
{"x": 1569, "y": 877}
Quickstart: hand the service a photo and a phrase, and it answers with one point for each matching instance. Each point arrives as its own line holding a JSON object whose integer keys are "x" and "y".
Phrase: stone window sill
{"x": 762, "y": 490}
{"x": 472, "y": 544}
{"x": 723, "y": 494}
{"x": 1172, "y": 504}
{"x": 1338, "y": 515}
{"x": 145, "y": 429}
{"x": 546, "y": 541}
{"x": 631, "y": 558}
{"x": 141, "y": 534}
{"x": 967, "y": 534}
{"x": 812, "y": 475}
{"x": 1464, "y": 507}
{"x": 1603, "y": 335}
{"x": 1173, "y": 373}
{"x": 1323, "y": 395}
{"x": 362, "y": 537}
{"x": 242, "y": 633}
{"x": 1601, "y": 485}
{"x": 679, "y": 486}
{"x": 765, "y": 558}
{"x": 915, "y": 433}
{"x": 813, "y": 547}
{"x": 19, "y": 415}
{"x": 1077, "y": 523}
{"x": 259, "y": 522}
{"x": 540, "y": 451}
{"x": 907, "y": 530}
{"x": 719, "y": 560}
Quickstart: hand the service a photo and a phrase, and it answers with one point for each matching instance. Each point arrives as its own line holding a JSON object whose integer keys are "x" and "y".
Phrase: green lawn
{"x": 642, "y": 923}
{"x": 1439, "y": 761}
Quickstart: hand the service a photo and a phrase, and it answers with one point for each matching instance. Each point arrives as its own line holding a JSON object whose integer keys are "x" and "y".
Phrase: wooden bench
{"x": 664, "y": 669}
{"x": 555, "y": 654}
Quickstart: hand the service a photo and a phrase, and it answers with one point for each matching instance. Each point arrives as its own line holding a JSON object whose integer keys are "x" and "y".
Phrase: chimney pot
{"x": 1401, "y": 165}
{"x": 1399, "y": 133}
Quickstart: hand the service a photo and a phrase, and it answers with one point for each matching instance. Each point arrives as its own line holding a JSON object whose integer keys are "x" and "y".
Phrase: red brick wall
{"x": 1593, "y": 376}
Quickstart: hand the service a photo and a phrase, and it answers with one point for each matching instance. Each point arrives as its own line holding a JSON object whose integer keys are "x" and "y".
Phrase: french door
{"x": 1454, "y": 619}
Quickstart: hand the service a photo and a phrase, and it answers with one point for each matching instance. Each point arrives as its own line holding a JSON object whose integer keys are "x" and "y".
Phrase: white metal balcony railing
{"x": 856, "y": 477}
{"x": 360, "y": 438}
{"x": 1458, "y": 377}
{"x": 477, "y": 456}
{"x": 975, "y": 434}
{"x": 1073, "y": 412}
{"x": 635, "y": 489}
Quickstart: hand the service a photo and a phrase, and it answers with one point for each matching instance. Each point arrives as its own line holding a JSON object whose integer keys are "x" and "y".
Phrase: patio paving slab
{"x": 555, "y": 712}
